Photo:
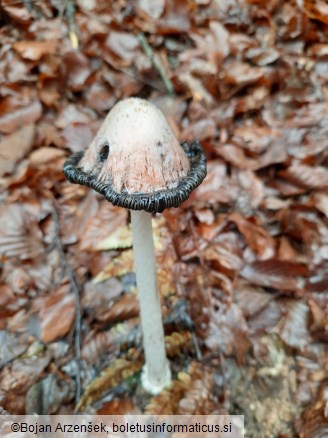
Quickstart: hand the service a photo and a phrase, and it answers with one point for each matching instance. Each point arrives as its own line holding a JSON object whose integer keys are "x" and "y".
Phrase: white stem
{"x": 156, "y": 373}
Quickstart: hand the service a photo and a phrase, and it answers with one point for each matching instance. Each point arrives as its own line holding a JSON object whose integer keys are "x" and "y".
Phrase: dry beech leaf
{"x": 277, "y": 274}
{"x": 311, "y": 177}
{"x": 16, "y": 113}
{"x": 34, "y": 50}
{"x": 45, "y": 156}
{"x": 153, "y": 9}
{"x": 125, "y": 45}
{"x": 228, "y": 332}
{"x": 196, "y": 88}
{"x": 251, "y": 300}
{"x": 98, "y": 296}
{"x": 263, "y": 55}
{"x": 293, "y": 326}
{"x": 217, "y": 186}
{"x": 118, "y": 338}
{"x": 256, "y": 138}
{"x": 78, "y": 135}
{"x": 12, "y": 345}
{"x": 6, "y": 296}
{"x": 319, "y": 318}
{"x": 214, "y": 46}
{"x": 76, "y": 223}
{"x": 175, "y": 19}
{"x": 202, "y": 130}
{"x": 314, "y": 418}
{"x": 77, "y": 69}
{"x": 252, "y": 185}
{"x": 20, "y": 235}
{"x": 22, "y": 373}
{"x": 236, "y": 156}
{"x": 16, "y": 11}
{"x": 100, "y": 97}
{"x": 222, "y": 259}
{"x": 14, "y": 147}
{"x": 241, "y": 74}
{"x": 257, "y": 238}
{"x": 125, "y": 308}
{"x": 55, "y": 314}
{"x": 316, "y": 9}
{"x": 73, "y": 114}
{"x": 98, "y": 345}
{"x": 320, "y": 201}
{"x": 105, "y": 221}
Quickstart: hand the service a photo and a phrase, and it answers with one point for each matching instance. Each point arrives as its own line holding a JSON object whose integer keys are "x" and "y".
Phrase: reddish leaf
{"x": 228, "y": 332}
{"x": 317, "y": 9}
{"x": 214, "y": 45}
{"x": 20, "y": 236}
{"x": 320, "y": 201}
{"x": 293, "y": 326}
{"x": 307, "y": 176}
{"x": 253, "y": 187}
{"x": 14, "y": 147}
{"x": 250, "y": 299}
{"x": 153, "y": 9}
{"x": 222, "y": 258}
{"x": 14, "y": 114}
{"x": 18, "y": 377}
{"x": 34, "y": 50}
{"x": 125, "y": 308}
{"x": 124, "y": 45}
{"x": 18, "y": 12}
{"x": 45, "y": 156}
{"x": 55, "y": 314}
{"x": 78, "y": 136}
{"x": 263, "y": 56}
{"x": 217, "y": 186}
{"x": 100, "y": 97}
{"x": 236, "y": 156}
{"x": 77, "y": 68}
{"x": 319, "y": 317}
{"x": 276, "y": 274}
{"x": 258, "y": 239}
{"x": 11, "y": 346}
{"x": 241, "y": 74}
{"x": 176, "y": 18}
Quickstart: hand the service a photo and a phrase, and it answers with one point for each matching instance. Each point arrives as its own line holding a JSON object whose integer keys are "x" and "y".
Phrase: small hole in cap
{"x": 104, "y": 152}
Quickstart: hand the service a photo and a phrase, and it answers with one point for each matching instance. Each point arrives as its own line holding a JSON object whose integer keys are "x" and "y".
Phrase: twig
{"x": 69, "y": 9}
{"x": 156, "y": 63}
{"x": 75, "y": 288}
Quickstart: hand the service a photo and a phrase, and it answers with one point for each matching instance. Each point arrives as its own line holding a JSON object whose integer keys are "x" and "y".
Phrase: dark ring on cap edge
{"x": 154, "y": 202}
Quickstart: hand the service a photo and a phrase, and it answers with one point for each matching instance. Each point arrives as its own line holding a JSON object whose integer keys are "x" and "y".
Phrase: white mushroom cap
{"x": 144, "y": 156}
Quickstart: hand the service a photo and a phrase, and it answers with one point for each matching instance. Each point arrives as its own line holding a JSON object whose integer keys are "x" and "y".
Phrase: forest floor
{"x": 242, "y": 265}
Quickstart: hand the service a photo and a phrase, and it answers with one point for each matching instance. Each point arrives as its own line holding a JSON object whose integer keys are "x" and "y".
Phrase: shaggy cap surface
{"x": 136, "y": 162}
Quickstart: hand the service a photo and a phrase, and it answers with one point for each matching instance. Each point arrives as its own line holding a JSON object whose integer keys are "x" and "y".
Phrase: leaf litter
{"x": 242, "y": 265}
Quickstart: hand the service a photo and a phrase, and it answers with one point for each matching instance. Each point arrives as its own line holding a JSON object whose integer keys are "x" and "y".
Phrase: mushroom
{"x": 136, "y": 162}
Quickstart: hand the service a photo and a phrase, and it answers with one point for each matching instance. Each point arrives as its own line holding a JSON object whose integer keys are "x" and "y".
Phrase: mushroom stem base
{"x": 155, "y": 387}
{"x": 156, "y": 373}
